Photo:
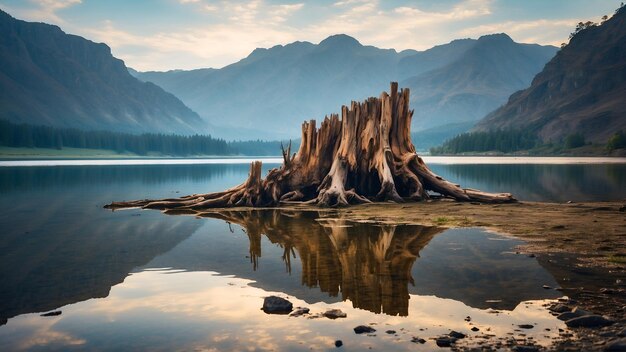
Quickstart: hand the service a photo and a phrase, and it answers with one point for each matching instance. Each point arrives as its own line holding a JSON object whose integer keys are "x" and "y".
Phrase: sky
{"x": 162, "y": 35}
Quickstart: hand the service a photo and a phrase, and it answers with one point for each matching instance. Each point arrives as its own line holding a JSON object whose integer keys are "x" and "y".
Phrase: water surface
{"x": 143, "y": 280}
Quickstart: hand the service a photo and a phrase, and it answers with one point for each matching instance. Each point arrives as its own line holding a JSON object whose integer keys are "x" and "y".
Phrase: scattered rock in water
{"x": 559, "y": 308}
{"x": 567, "y": 316}
{"x": 52, "y": 314}
{"x": 581, "y": 312}
{"x": 299, "y": 311}
{"x": 276, "y": 305}
{"x": 456, "y": 334}
{"x": 390, "y": 332}
{"x": 522, "y": 348}
{"x": 475, "y": 329}
{"x": 419, "y": 340}
{"x": 334, "y": 314}
{"x": 588, "y": 321}
{"x": 364, "y": 329}
{"x": 445, "y": 341}
{"x": 526, "y": 326}
{"x": 616, "y": 345}
{"x": 338, "y": 343}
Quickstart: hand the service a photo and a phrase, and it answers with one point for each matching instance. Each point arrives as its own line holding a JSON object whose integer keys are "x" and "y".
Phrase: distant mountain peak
{"x": 339, "y": 40}
{"x": 496, "y": 37}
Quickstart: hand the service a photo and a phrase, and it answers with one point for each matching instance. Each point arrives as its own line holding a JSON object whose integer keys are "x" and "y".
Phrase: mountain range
{"x": 582, "y": 90}
{"x": 48, "y": 77}
{"x": 270, "y": 92}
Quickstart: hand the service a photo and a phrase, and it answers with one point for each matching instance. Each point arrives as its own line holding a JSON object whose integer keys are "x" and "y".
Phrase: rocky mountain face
{"x": 582, "y": 90}
{"x": 48, "y": 77}
{"x": 268, "y": 93}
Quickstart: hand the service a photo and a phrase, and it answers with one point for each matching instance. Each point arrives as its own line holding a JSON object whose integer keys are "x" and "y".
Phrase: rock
{"x": 622, "y": 208}
{"x": 622, "y": 333}
{"x": 559, "y": 308}
{"x": 334, "y": 314}
{"x": 276, "y": 305}
{"x": 581, "y": 312}
{"x": 364, "y": 329}
{"x": 616, "y": 345}
{"x": 52, "y": 314}
{"x": 456, "y": 334}
{"x": 338, "y": 343}
{"x": 526, "y": 326}
{"x": 546, "y": 287}
{"x": 299, "y": 311}
{"x": 475, "y": 329}
{"x": 588, "y": 321}
{"x": 390, "y": 332}
{"x": 445, "y": 341}
{"x": 468, "y": 318}
{"x": 567, "y": 316}
{"x": 521, "y": 348}
{"x": 531, "y": 255}
{"x": 418, "y": 340}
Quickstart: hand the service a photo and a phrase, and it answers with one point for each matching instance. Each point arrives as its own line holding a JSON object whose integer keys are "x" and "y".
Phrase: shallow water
{"x": 143, "y": 280}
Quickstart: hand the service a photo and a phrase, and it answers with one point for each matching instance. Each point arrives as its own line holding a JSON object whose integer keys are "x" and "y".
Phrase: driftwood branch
{"x": 365, "y": 156}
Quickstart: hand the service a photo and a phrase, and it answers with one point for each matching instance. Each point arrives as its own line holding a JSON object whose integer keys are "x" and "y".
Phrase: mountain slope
{"x": 476, "y": 82}
{"x": 51, "y": 78}
{"x": 272, "y": 90}
{"x": 581, "y": 90}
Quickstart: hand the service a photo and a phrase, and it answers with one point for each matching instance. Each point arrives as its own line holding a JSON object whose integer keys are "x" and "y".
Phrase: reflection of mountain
{"x": 372, "y": 265}
{"x": 62, "y": 263}
{"x": 576, "y": 182}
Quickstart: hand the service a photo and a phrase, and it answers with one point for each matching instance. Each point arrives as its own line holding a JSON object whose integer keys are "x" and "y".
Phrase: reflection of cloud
{"x": 200, "y": 309}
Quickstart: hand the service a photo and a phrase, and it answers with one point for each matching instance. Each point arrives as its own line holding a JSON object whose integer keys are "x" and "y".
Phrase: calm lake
{"x": 143, "y": 280}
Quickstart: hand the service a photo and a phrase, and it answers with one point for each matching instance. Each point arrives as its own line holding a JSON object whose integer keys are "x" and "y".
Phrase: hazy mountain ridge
{"x": 581, "y": 90}
{"x": 476, "y": 82}
{"x": 272, "y": 90}
{"x": 48, "y": 77}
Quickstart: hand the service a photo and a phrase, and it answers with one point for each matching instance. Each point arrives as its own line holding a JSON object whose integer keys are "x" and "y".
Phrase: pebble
{"x": 475, "y": 329}
{"x": 338, "y": 343}
{"x": 299, "y": 311}
{"x": 418, "y": 340}
{"x": 445, "y": 341}
{"x": 616, "y": 345}
{"x": 276, "y": 305}
{"x": 526, "y": 326}
{"x": 390, "y": 332}
{"x": 588, "y": 321}
{"x": 456, "y": 334}
{"x": 334, "y": 314}
{"x": 364, "y": 329}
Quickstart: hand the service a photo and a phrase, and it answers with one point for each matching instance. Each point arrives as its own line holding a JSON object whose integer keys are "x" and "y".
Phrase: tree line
{"x": 505, "y": 141}
{"x": 30, "y": 136}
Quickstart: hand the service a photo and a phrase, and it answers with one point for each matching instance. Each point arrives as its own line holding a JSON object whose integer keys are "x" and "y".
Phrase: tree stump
{"x": 365, "y": 156}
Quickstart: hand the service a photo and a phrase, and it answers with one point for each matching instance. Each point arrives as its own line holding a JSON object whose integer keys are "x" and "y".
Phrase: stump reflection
{"x": 368, "y": 264}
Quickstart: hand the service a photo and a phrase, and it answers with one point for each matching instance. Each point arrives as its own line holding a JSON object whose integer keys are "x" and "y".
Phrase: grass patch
{"x": 441, "y": 220}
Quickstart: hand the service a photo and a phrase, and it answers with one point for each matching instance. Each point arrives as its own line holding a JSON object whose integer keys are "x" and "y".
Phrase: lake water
{"x": 143, "y": 280}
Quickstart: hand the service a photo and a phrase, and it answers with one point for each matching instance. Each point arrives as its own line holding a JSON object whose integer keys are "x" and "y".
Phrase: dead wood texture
{"x": 365, "y": 156}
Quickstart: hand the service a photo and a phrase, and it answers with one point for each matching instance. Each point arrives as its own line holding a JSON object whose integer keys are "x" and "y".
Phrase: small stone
{"x": 338, "y": 343}
{"x": 588, "y": 321}
{"x": 468, "y": 318}
{"x": 521, "y": 348}
{"x": 276, "y": 305}
{"x": 299, "y": 311}
{"x": 456, "y": 334}
{"x": 546, "y": 287}
{"x": 475, "y": 329}
{"x": 364, "y": 329}
{"x": 581, "y": 312}
{"x": 334, "y": 314}
{"x": 607, "y": 291}
{"x": 52, "y": 314}
{"x": 567, "y": 316}
{"x": 444, "y": 341}
{"x": 616, "y": 345}
{"x": 559, "y": 308}
{"x": 390, "y": 332}
{"x": 526, "y": 326}
{"x": 418, "y": 340}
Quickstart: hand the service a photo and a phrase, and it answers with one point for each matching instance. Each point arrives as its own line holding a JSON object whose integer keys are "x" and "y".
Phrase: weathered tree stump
{"x": 365, "y": 156}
